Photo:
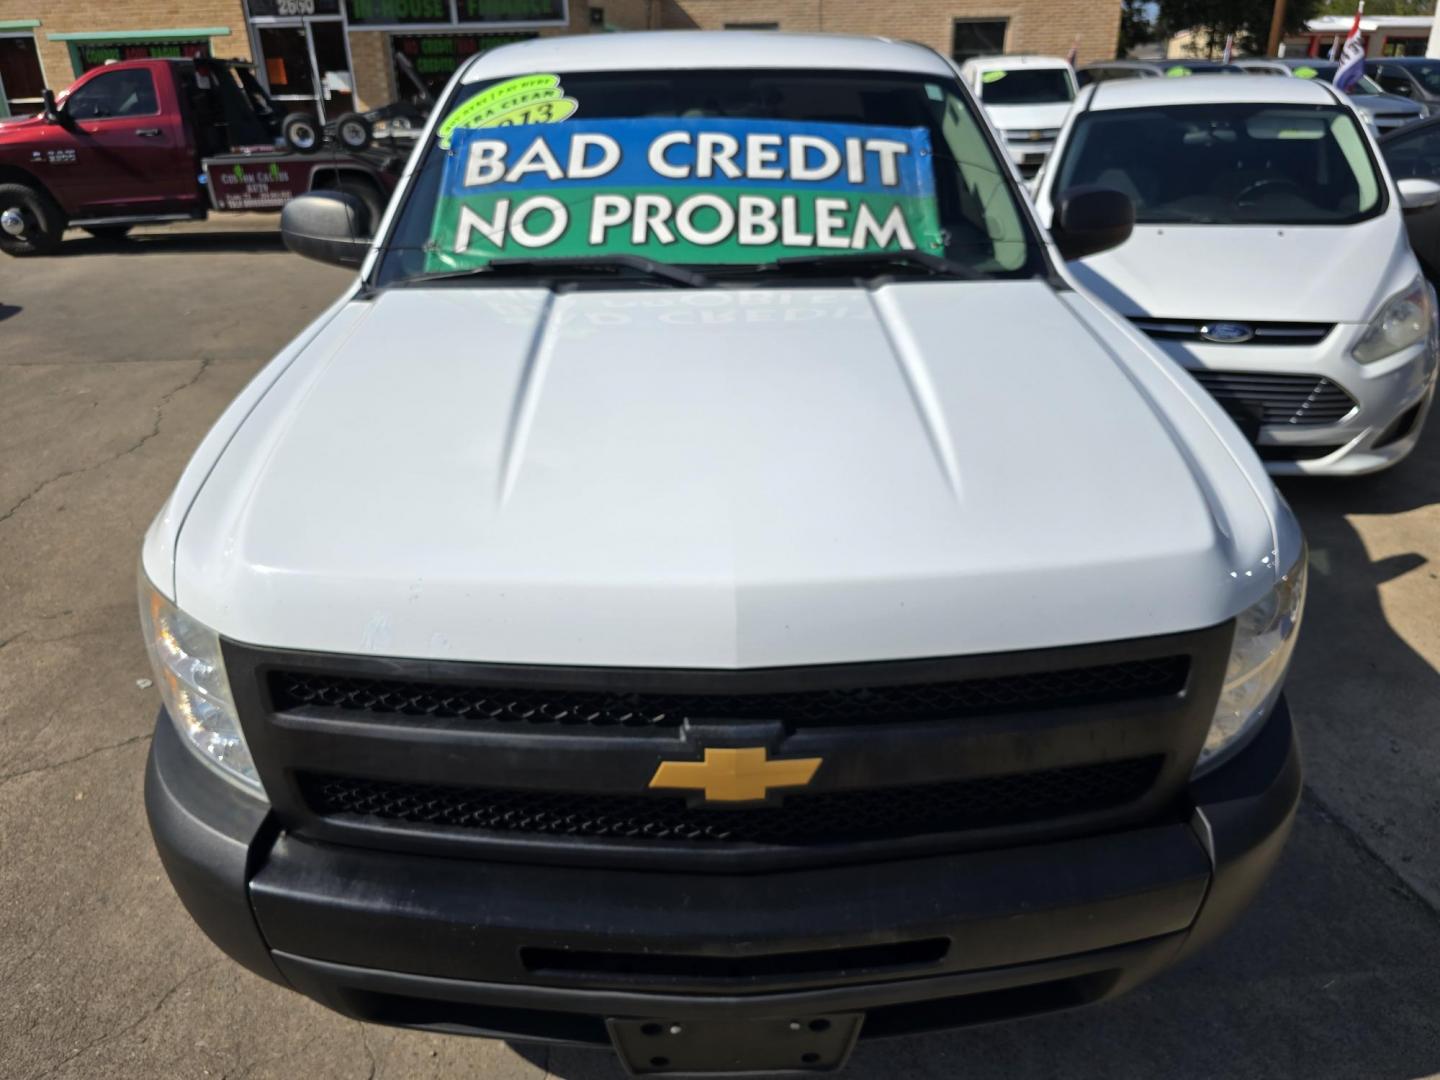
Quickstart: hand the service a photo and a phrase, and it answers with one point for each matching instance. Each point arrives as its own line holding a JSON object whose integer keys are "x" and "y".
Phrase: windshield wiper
{"x": 599, "y": 264}
{"x": 877, "y": 262}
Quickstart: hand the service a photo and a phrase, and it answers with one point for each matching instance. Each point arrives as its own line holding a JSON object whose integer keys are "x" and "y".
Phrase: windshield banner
{"x": 701, "y": 190}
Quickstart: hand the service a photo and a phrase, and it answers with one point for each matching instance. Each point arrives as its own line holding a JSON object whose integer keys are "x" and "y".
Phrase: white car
{"x": 713, "y": 586}
{"x": 1269, "y": 257}
{"x": 1027, "y": 98}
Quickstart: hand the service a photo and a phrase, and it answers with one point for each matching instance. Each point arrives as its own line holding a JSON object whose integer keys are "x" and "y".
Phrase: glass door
{"x": 306, "y": 64}
{"x": 285, "y": 64}
{"x": 332, "y": 67}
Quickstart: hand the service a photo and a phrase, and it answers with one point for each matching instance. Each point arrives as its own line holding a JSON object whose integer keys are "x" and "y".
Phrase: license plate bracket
{"x": 769, "y": 1046}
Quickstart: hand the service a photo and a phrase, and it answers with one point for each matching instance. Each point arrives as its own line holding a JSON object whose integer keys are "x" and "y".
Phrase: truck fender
{"x": 13, "y": 174}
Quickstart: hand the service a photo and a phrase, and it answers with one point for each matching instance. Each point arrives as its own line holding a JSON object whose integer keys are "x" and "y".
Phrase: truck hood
{"x": 1255, "y": 272}
{"x": 20, "y": 128}
{"x": 1387, "y": 104}
{"x": 719, "y": 479}
{"x": 1040, "y": 117}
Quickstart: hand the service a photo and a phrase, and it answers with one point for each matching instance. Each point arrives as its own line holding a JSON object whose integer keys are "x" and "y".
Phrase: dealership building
{"x": 334, "y": 56}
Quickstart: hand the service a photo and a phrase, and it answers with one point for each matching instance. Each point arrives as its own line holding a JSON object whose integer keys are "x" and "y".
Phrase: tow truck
{"x": 146, "y": 141}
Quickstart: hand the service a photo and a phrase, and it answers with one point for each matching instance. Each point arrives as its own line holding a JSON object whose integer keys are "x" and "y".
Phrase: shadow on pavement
{"x": 8, "y": 310}
{"x": 210, "y": 243}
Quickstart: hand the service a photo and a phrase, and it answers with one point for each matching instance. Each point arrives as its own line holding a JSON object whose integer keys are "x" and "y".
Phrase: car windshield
{"x": 1228, "y": 164}
{"x": 1025, "y": 86}
{"x": 1427, "y": 74}
{"x": 768, "y": 175}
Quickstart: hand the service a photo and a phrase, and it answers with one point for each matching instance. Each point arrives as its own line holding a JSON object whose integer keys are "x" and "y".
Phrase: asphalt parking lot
{"x": 115, "y": 359}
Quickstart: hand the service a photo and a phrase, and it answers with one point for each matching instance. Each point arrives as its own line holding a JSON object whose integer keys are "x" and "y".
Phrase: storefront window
{"x": 430, "y": 59}
{"x": 21, "y": 81}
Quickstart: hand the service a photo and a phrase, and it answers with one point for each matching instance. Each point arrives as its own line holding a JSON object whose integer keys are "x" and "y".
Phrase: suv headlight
{"x": 1403, "y": 320}
{"x": 191, "y": 674}
{"x": 1265, "y": 636}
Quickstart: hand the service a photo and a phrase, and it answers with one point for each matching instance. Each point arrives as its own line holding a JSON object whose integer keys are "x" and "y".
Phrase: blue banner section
{"x": 692, "y": 152}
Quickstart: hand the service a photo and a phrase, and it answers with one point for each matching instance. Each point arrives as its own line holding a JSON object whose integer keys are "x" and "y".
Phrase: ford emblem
{"x": 1227, "y": 333}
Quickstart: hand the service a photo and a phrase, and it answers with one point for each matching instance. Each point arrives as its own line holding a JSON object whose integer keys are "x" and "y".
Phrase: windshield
{"x": 1026, "y": 86}
{"x": 1244, "y": 164}
{"x": 1427, "y": 74}
{"x": 728, "y": 171}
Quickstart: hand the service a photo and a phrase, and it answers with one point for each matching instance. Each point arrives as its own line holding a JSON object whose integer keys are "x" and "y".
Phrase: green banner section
{"x": 679, "y": 224}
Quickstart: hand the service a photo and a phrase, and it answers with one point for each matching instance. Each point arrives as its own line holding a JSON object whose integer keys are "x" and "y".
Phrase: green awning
{"x": 181, "y": 33}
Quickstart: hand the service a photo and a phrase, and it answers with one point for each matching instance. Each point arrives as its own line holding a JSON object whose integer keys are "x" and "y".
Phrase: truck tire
{"x": 301, "y": 132}
{"x": 353, "y": 131}
{"x": 30, "y": 222}
{"x": 107, "y": 232}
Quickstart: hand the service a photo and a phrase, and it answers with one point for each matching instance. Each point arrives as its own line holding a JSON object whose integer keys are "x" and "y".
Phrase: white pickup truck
{"x": 714, "y": 586}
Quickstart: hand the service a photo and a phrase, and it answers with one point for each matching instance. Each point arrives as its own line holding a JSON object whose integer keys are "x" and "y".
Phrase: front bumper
{"x": 1029, "y": 154}
{"x": 546, "y": 952}
{"x": 1392, "y": 399}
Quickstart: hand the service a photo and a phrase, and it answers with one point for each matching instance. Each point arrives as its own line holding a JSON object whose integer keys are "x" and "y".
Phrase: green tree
{"x": 1137, "y": 26}
{"x": 1248, "y": 20}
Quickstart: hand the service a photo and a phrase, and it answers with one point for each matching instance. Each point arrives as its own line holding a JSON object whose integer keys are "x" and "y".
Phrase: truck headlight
{"x": 1403, "y": 320}
{"x": 1265, "y": 636}
{"x": 191, "y": 674}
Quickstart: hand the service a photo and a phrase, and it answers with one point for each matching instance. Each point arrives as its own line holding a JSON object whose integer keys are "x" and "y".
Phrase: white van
{"x": 1269, "y": 257}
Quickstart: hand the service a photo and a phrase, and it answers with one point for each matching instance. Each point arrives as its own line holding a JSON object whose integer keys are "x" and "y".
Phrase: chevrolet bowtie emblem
{"x": 743, "y": 775}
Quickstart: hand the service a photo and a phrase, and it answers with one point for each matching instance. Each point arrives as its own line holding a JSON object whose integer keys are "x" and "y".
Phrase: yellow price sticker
{"x": 538, "y": 97}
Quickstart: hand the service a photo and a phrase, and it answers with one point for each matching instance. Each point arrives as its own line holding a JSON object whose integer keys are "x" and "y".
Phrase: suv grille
{"x": 826, "y": 818}
{"x": 1124, "y": 681}
{"x": 1298, "y": 400}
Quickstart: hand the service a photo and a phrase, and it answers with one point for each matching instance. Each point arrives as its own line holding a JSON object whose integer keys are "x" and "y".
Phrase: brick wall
{"x": 373, "y": 70}
{"x": 1035, "y": 26}
{"x": 70, "y": 16}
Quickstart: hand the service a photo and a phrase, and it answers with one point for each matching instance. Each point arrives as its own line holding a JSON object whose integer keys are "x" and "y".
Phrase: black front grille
{"x": 1294, "y": 400}
{"x": 836, "y": 817}
{"x": 1264, "y": 333}
{"x": 489, "y": 704}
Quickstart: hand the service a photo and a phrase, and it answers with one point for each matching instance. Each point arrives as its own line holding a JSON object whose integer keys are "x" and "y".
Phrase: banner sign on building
{"x": 93, "y": 54}
{"x": 284, "y": 9}
{"x": 363, "y": 13}
{"x": 682, "y": 190}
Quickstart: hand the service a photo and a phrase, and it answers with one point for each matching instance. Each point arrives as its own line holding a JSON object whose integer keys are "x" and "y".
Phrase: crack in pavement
{"x": 369, "y": 1053}
{"x": 154, "y": 431}
{"x": 153, "y": 1010}
{"x": 5, "y": 778}
{"x": 1359, "y": 843}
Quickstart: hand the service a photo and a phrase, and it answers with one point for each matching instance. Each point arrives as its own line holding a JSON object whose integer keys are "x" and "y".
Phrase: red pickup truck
{"x": 146, "y": 141}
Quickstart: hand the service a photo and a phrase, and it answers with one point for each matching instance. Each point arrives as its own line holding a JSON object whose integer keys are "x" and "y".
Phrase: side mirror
{"x": 1417, "y": 193}
{"x": 329, "y": 226}
{"x": 1090, "y": 219}
{"x": 53, "y": 114}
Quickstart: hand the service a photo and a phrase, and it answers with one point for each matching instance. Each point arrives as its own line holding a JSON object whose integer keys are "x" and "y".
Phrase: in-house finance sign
{"x": 683, "y": 190}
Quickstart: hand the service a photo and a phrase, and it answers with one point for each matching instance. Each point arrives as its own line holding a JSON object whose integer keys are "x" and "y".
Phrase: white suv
{"x": 1269, "y": 257}
{"x": 713, "y": 587}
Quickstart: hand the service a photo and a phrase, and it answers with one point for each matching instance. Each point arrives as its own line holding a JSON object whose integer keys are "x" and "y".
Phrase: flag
{"x": 1229, "y": 48}
{"x": 1352, "y": 55}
